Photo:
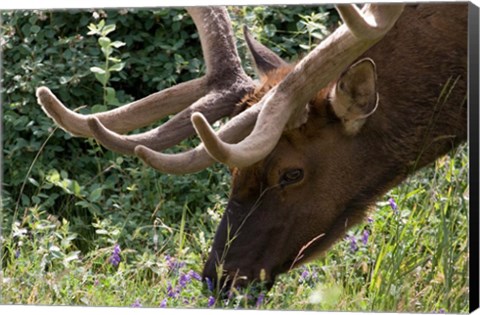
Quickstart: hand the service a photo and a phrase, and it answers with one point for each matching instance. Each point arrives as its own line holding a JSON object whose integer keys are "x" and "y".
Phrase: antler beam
{"x": 214, "y": 95}
{"x": 362, "y": 29}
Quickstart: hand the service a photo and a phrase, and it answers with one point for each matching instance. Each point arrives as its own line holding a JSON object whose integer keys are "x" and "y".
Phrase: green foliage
{"x": 111, "y": 64}
{"x": 69, "y": 205}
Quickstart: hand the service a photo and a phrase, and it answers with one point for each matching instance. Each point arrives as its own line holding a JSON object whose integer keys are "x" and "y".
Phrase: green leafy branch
{"x": 111, "y": 64}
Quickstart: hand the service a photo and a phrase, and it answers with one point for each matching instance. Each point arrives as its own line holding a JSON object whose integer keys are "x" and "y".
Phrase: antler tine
{"x": 172, "y": 131}
{"x": 197, "y": 159}
{"x": 324, "y": 64}
{"x": 366, "y": 24}
{"x": 183, "y": 163}
{"x": 224, "y": 73}
{"x": 128, "y": 117}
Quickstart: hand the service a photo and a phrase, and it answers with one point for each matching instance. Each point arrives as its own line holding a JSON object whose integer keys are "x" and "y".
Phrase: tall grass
{"x": 411, "y": 255}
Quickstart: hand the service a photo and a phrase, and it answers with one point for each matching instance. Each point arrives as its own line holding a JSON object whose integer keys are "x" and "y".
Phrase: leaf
{"x": 118, "y": 44}
{"x": 98, "y": 108}
{"x": 113, "y": 59}
{"x": 53, "y": 177}
{"x": 33, "y": 182}
{"x": 71, "y": 256}
{"x": 75, "y": 187}
{"x": 95, "y": 29}
{"x": 270, "y": 30}
{"x": 111, "y": 97}
{"x": 55, "y": 251}
{"x": 318, "y": 35}
{"x": 102, "y": 78}
{"x": 35, "y": 29}
{"x": 107, "y": 50}
{"x": 306, "y": 47}
{"x": 97, "y": 70}
{"x": 117, "y": 67}
{"x": 104, "y": 42}
{"x": 108, "y": 29}
{"x": 95, "y": 194}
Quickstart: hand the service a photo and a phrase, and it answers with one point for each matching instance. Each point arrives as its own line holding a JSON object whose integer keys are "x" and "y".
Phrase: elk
{"x": 315, "y": 144}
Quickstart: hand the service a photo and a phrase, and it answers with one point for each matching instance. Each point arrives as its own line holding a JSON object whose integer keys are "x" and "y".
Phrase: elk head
{"x": 300, "y": 143}
{"x": 281, "y": 209}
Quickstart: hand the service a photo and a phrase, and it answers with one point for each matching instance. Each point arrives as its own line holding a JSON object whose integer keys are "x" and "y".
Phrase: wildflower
{"x": 163, "y": 304}
{"x": 195, "y": 275}
{"x": 305, "y": 275}
{"x": 260, "y": 298}
{"x": 365, "y": 236}
{"x": 353, "y": 243}
{"x": 184, "y": 279}
{"x": 370, "y": 220}
{"x": 211, "y": 301}
{"x": 173, "y": 264}
{"x": 170, "y": 292}
{"x": 136, "y": 303}
{"x": 17, "y": 254}
{"x": 209, "y": 284}
{"x": 393, "y": 205}
{"x": 115, "y": 257}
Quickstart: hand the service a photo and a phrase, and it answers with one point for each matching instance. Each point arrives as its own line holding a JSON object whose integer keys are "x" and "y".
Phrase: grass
{"x": 410, "y": 256}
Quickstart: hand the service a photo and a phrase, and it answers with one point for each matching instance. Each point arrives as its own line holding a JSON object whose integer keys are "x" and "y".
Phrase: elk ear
{"x": 265, "y": 60}
{"x": 354, "y": 97}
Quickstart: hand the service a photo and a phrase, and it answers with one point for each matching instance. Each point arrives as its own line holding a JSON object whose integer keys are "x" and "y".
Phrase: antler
{"x": 214, "y": 95}
{"x": 285, "y": 103}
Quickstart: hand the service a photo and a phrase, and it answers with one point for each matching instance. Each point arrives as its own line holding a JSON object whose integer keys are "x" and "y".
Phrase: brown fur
{"x": 268, "y": 81}
{"x": 345, "y": 174}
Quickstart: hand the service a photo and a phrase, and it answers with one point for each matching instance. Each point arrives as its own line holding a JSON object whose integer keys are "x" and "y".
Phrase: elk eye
{"x": 291, "y": 176}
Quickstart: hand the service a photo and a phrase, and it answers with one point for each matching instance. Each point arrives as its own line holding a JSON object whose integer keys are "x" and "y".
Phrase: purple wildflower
{"x": 209, "y": 284}
{"x": 136, "y": 303}
{"x": 184, "y": 280}
{"x": 17, "y": 254}
{"x": 305, "y": 275}
{"x": 195, "y": 275}
{"x": 115, "y": 257}
{"x": 163, "y": 304}
{"x": 365, "y": 236}
{"x": 211, "y": 301}
{"x": 393, "y": 205}
{"x": 370, "y": 220}
{"x": 260, "y": 298}
{"x": 353, "y": 243}
{"x": 170, "y": 292}
{"x": 173, "y": 264}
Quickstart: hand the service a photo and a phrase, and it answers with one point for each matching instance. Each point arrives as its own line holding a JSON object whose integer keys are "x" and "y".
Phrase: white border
{"x": 87, "y": 4}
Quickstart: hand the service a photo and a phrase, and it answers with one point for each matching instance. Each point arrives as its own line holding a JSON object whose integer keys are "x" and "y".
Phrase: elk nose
{"x": 209, "y": 274}
{"x": 214, "y": 278}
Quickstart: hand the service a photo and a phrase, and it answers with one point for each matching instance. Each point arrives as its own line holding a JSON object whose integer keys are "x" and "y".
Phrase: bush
{"x": 161, "y": 48}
